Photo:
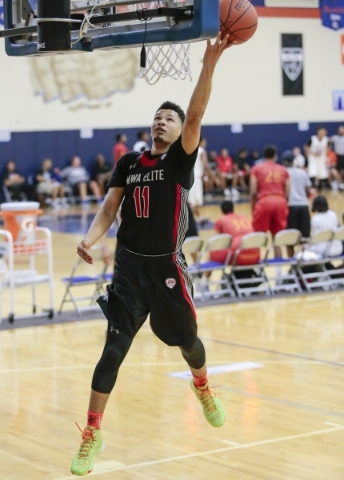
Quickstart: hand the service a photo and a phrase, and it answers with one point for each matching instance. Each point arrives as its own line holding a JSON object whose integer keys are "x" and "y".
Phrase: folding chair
{"x": 202, "y": 284}
{"x": 85, "y": 280}
{"x": 289, "y": 281}
{"x": 191, "y": 246}
{"x": 321, "y": 277}
{"x": 337, "y": 275}
{"x": 258, "y": 283}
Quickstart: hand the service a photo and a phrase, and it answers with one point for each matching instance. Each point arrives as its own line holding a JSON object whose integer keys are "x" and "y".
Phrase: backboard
{"x": 87, "y": 25}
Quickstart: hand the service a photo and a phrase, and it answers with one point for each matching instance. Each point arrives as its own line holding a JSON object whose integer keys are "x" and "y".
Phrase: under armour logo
{"x": 134, "y": 165}
{"x": 112, "y": 329}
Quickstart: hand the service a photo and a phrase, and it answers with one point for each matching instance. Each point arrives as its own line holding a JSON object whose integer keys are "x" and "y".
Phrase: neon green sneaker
{"x": 91, "y": 445}
{"x": 212, "y": 407}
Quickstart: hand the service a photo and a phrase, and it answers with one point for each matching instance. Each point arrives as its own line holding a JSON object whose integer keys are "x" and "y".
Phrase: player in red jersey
{"x": 150, "y": 271}
{"x": 269, "y": 192}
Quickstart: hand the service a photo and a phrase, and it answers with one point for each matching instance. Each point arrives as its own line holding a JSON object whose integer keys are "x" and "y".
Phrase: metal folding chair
{"x": 192, "y": 245}
{"x": 78, "y": 280}
{"x": 253, "y": 284}
{"x": 202, "y": 283}
{"x": 320, "y": 277}
{"x": 289, "y": 281}
{"x": 337, "y": 275}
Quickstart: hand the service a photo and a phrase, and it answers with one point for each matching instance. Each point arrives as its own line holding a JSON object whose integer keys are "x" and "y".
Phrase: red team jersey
{"x": 225, "y": 164}
{"x": 271, "y": 210}
{"x": 118, "y": 151}
{"x": 237, "y": 226}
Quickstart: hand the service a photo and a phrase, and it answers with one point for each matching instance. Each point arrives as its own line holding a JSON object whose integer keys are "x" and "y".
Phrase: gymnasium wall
{"x": 247, "y": 89}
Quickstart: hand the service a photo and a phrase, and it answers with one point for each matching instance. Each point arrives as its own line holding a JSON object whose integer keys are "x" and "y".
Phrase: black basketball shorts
{"x": 300, "y": 219}
{"x": 159, "y": 286}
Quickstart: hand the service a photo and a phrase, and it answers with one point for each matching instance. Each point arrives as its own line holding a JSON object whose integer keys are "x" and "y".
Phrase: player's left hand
{"x": 83, "y": 251}
{"x": 214, "y": 51}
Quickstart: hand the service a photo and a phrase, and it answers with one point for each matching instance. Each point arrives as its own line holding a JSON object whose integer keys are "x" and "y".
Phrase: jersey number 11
{"x": 138, "y": 205}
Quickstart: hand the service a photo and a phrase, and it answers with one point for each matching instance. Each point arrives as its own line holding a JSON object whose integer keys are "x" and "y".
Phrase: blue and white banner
{"x": 332, "y": 14}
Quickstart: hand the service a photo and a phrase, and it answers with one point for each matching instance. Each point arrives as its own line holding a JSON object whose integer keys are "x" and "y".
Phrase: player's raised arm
{"x": 200, "y": 97}
{"x": 101, "y": 222}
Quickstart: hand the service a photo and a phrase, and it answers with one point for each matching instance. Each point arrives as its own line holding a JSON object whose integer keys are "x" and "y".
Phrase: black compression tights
{"x": 106, "y": 371}
{"x": 194, "y": 354}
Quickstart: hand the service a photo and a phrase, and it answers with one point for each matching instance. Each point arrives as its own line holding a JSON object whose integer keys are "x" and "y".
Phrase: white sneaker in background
{"x": 227, "y": 193}
{"x": 235, "y": 192}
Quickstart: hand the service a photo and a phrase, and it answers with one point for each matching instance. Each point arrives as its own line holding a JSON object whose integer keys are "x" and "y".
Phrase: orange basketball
{"x": 238, "y": 19}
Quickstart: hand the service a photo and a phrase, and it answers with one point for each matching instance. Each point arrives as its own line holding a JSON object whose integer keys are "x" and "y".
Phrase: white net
{"x": 84, "y": 80}
{"x": 167, "y": 61}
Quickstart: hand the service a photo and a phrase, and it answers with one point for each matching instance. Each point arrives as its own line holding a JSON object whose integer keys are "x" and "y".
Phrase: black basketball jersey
{"x": 154, "y": 209}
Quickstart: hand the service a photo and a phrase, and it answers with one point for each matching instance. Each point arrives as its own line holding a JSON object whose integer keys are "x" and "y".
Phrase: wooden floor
{"x": 280, "y": 375}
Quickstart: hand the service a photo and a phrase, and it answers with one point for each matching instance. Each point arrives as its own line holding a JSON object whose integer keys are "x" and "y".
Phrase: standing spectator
{"x": 338, "y": 146}
{"x": 242, "y": 169}
{"x": 120, "y": 147}
{"x": 317, "y": 152}
{"x": 333, "y": 174}
{"x": 300, "y": 191}
{"x": 225, "y": 171}
{"x": 237, "y": 226}
{"x": 142, "y": 142}
{"x": 299, "y": 159}
{"x": 48, "y": 184}
{"x": 101, "y": 173}
{"x": 16, "y": 183}
{"x": 269, "y": 191}
{"x": 78, "y": 178}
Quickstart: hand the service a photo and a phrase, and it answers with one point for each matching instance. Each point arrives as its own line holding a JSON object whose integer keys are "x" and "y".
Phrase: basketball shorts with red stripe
{"x": 270, "y": 214}
{"x": 159, "y": 286}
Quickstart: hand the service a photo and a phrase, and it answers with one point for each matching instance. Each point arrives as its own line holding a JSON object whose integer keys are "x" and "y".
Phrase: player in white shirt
{"x": 299, "y": 159}
{"x": 196, "y": 193}
{"x": 142, "y": 142}
{"x": 317, "y": 154}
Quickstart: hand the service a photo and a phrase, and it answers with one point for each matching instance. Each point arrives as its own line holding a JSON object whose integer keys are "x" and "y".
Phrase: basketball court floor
{"x": 277, "y": 365}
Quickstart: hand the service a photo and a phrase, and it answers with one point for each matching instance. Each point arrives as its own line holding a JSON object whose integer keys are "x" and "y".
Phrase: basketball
{"x": 238, "y": 19}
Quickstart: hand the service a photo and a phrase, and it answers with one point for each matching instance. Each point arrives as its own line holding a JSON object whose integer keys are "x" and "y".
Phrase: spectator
{"x": 269, "y": 191}
{"x": 48, "y": 184}
{"x": 317, "y": 151}
{"x": 299, "y": 159}
{"x": 225, "y": 171}
{"x": 237, "y": 226}
{"x": 120, "y": 147}
{"x": 338, "y": 146}
{"x": 324, "y": 219}
{"x": 300, "y": 190}
{"x": 254, "y": 157}
{"x": 16, "y": 184}
{"x": 101, "y": 173}
{"x": 142, "y": 142}
{"x": 78, "y": 178}
{"x": 242, "y": 169}
{"x": 333, "y": 174}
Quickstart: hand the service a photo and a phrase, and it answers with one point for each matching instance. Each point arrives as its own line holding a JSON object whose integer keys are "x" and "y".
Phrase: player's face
{"x": 321, "y": 133}
{"x": 166, "y": 127}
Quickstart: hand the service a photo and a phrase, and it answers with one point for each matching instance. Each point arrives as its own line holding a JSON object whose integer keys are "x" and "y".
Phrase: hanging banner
{"x": 292, "y": 63}
{"x": 332, "y": 14}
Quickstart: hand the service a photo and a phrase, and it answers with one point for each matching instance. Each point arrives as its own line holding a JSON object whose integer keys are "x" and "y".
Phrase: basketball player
{"x": 269, "y": 191}
{"x": 317, "y": 153}
{"x": 150, "y": 272}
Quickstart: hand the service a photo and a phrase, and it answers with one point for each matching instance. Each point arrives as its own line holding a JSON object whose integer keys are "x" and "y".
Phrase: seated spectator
{"x": 16, "y": 184}
{"x": 299, "y": 159}
{"x": 324, "y": 219}
{"x": 78, "y": 178}
{"x": 225, "y": 171}
{"x": 101, "y": 173}
{"x": 237, "y": 226}
{"x": 242, "y": 169}
{"x": 142, "y": 142}
{"x": 253, "y": 157}
{"x": 334, "y": 176}
{"x": 300, "y": 190}
{"x": 48, "y": 184}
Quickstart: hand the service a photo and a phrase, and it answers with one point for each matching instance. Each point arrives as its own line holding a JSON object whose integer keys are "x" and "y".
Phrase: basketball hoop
{"x": 164, "y": 60}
